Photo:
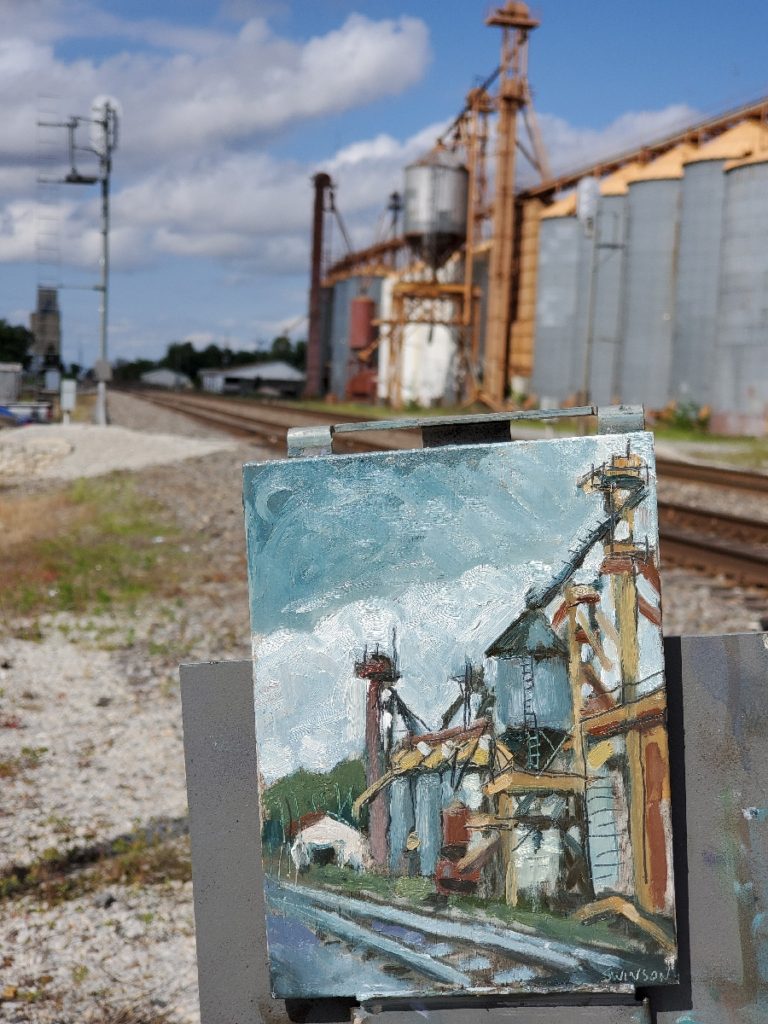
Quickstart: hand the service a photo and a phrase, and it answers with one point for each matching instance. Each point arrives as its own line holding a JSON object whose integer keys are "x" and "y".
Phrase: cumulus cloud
{"x": 572, "y": 146}
{"x": 197, "y": 104}
{"x": 185, "y": 90}
{"x": 196, "y": 175}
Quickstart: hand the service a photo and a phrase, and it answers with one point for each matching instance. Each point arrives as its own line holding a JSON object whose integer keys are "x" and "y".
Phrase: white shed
{"x": 331, "y": 841}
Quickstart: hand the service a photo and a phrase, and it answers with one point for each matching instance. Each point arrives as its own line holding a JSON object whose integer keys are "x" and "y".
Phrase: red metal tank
{"x": 361, "y": 387}
{"x": 455, "y": 831}
{"x": 362, "y": 311}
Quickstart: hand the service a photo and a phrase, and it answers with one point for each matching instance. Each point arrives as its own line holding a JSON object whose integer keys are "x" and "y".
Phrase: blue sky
{"x": 230, "y": 106}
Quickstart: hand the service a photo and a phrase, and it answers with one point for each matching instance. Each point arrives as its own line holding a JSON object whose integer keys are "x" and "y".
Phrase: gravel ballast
{"x": 94, "y": 701}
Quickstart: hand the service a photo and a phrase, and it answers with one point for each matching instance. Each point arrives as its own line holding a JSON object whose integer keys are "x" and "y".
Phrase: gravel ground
{"x": 57, "y": 452}
{"x": 100, "y": 695}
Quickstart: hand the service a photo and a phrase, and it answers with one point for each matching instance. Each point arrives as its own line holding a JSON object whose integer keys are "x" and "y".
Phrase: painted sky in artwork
{"x": 440, "y": 545}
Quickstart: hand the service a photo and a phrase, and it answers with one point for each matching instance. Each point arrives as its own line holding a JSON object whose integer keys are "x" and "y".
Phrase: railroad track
{"x": 711, "y": 542}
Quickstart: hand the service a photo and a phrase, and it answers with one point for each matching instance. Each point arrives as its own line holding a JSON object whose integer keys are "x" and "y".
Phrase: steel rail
{"x": 278, "y": 415}
{"x": 703, "y": 548}
{"x": 703, "y": 520}
{"x": 746, "y": 565}
{"x": 715, "y": 476}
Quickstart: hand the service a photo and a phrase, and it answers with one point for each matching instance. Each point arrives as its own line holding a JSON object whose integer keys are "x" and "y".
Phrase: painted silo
{"x": 561, "y": 240}
{"x": 608, "y": 262}
{"x": 402, "y": 819}
{"x": 429, "y": 820}
{"x": 702, "y": 207}
{"x": 653, "y": 200}
{"x": 530, "y": 654}
{"x": 740, "y": 366}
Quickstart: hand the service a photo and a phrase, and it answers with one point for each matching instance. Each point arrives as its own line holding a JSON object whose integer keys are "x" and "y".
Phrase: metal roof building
{"x": 274, "y": 378}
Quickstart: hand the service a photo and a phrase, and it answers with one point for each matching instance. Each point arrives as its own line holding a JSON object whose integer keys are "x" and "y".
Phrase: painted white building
{"x": 341, "y": 844}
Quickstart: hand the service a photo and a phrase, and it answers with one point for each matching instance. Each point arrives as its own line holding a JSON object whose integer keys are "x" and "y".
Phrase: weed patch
{"x": 30, "y": 757}
{"x": 132, "y": 861}
{"x": 85, "y": 547}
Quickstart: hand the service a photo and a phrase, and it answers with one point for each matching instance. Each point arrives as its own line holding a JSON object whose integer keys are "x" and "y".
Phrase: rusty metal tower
{"x": 514, "y": 97}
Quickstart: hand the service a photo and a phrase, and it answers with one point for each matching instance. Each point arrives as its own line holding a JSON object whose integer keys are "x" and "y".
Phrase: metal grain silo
{"x": 605, "y": 332}
{"x": 740, "y": 366}
{"x": 435, "y": 213}
{"x": 561, "y": 241}
{"x": 645, "y": 358}
{"x": 702, "y": 204}
{"x": 344, "y": 294}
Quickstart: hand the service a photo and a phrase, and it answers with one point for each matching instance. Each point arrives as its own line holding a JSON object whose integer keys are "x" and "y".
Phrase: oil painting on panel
{"x": 460, "y": 712}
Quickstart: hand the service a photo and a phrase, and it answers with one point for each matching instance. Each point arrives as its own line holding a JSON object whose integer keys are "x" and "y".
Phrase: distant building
{"x": 10, "y": 382}
{"x": 275, "y": 379}
{"x": 165, "y": 378}
{"x": 45, "y": 324}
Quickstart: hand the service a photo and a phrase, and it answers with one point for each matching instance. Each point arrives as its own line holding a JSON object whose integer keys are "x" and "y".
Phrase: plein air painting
{"x": 460, "y": 713}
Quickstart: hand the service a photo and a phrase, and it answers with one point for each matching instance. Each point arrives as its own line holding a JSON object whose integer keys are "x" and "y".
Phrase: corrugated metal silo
{"x": 740, "y": 368}
{"x": 607, "y": 326}
{"x": 702, "y": 205}
{"x": 435, "y": 214}
{"x": 653, "y": 200}
{"x": 561, "y": 240}
{"x": 343, "y": 293}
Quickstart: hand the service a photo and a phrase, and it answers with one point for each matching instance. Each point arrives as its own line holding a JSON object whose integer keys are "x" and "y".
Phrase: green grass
{"x": 85, "y": 547}
{"x": 417, "y": 891}
{"x": 553, "y": 926}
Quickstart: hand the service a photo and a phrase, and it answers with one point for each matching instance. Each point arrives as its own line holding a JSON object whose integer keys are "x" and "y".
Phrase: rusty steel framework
{"x": 505, "y": 224}
{"x": 514, "y": 97}
{"x": 481, "y": 376}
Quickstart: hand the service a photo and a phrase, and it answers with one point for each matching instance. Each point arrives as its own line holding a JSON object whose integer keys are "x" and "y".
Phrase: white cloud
{"x": 570, "y": 146}
{"x": 195, "y": 177}
{"x": 189, "y": 178}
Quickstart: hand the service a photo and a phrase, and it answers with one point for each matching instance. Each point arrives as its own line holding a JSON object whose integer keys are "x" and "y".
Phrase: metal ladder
{"x": 602, "y": 826}
{"x": 530, "y": 724}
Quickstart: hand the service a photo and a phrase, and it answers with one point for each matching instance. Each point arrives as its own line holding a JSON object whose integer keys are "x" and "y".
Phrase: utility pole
{"x": 104, "y": 142}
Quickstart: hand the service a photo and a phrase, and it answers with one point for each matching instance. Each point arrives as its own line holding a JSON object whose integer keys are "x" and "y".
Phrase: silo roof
{"x": 565, "y": 207}
{"x": 616, "y": 184}
{"x": 743, "y": 141}
{"x": 759, "y": 153}
{"x": 668, "y": 165}
{"x": 530, "y": 635}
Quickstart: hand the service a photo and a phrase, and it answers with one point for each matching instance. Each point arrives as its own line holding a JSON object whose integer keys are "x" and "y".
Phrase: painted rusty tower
{"x": 380, "y": 672}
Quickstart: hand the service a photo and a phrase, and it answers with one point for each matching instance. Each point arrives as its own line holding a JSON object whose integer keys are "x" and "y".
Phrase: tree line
{"x": 183, "y": 357}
